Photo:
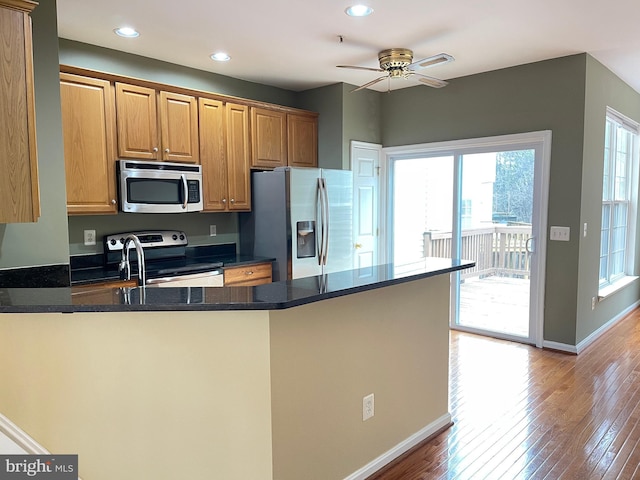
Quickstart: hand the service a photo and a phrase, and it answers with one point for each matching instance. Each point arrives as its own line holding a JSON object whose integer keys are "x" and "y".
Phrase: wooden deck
{"x": 525, "y": 413}
{"x": 495, "y": 303}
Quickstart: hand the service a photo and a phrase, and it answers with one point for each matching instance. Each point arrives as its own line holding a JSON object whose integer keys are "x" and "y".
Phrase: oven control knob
{"x": 174, "y": 236}
{"x": 181, "y": 236}
{"x": 113, "y": 241}
{"x": 122, "y": 240}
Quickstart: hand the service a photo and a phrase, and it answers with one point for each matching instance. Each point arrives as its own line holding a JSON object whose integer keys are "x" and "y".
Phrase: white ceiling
{"x": 295, "y": 44}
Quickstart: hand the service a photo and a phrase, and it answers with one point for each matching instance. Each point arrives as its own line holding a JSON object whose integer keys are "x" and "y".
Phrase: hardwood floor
{"x": 524, "y": 413}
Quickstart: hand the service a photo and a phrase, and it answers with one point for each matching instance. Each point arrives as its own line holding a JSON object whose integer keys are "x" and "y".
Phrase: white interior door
{"x": 365, "y": 165}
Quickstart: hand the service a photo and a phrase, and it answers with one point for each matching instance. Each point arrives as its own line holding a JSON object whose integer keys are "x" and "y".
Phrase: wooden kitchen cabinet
{"x": 179, "y": 127}
{"x": 238, "y": 154}
{"x": 88, "y": 127}
{"x": 302, "y": 140}
{"x": 224, "y": 155}
{"x": 248, "y": 275}
{"x": 156, "y": 125}
{"x": 268, "y": 138}
{"x": 101, "y": 293}
{"x": 19, "y": 191}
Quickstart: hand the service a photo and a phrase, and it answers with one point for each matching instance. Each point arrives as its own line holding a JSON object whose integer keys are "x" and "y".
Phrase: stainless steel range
{"x": 165, "y": 259}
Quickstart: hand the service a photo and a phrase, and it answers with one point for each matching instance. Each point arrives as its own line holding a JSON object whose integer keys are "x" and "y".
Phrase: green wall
{"x": 603, "y": 89}
{"x": 547, "y": 95}
{"x": 344, "y": 116}
{"x": 362, "y": 119}
{"x": 327, "y": 101}
{"x": 44, "y": 242}
{"x": 121, "y": 63}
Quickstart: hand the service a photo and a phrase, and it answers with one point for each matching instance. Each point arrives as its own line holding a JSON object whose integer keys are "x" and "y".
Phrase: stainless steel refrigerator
{"x": 303, "y": 218}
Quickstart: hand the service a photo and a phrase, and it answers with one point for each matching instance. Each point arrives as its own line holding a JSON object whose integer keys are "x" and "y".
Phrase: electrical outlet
{"x": 212, "y": 230}
{"x": 89, "y": 237}
{"x": 367, "y": 407}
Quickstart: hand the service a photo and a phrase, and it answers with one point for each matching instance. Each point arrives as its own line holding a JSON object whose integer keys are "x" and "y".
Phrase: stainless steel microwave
{"x": 159, "y": 187}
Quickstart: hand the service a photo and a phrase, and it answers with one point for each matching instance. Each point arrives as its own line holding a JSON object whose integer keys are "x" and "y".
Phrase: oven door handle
{"x": 185, "y": 191}
{"x": 174, "y": 278}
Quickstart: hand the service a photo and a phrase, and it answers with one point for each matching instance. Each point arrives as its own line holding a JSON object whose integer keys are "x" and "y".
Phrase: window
{"x": 620, "y": 163}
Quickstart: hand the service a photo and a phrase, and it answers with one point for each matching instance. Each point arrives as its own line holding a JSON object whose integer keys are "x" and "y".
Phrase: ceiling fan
{"x": 398, "y": 63}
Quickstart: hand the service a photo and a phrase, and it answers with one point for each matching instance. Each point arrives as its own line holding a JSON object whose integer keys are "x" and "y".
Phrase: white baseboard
{"x": 600, "y": 331}
{"x": 581, "y": 346}
{"x": 20, "y": 438}
{"x": 390, "y": 455}
{"x": 563, "y": 347}
{"x": 20, "y": 441}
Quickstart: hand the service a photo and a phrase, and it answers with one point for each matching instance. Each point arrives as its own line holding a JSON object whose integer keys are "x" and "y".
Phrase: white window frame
{"x": 611, "y": 281}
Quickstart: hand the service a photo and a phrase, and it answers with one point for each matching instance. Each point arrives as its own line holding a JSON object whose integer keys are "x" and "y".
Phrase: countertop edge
{"x": 306, "y": 296}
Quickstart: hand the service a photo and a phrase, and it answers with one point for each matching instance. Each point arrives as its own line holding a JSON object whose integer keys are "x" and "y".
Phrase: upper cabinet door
{"x": 302, "y": 138}
{"x": 213, "y": 156}
{"x": 268, "y": 138}
{"x": 137, "y": 122}
{"x": 238, "y": 168}
{"x": 88, "y": 123}
{"x": 19, "y": 193}
{"x": 179, "y": 121}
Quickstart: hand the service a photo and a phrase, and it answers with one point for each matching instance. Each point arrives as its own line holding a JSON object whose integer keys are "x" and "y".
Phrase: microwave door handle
{"x": 185, "y": 191}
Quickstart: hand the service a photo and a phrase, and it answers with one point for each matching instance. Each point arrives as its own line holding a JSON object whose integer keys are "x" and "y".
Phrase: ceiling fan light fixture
{"x": 359, "y": 10}
{"x": 220, "y": 57}
{"x": 126, "y": 32}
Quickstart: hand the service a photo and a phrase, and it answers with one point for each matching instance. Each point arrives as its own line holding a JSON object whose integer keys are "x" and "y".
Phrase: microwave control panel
{"x": 193, "y": 187}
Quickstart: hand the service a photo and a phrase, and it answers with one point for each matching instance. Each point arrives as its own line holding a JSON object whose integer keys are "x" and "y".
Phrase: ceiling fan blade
{"x": 432, "y": 82}
{"x": 432, "y": 61}
{"x": 372, "y": 82}
{"x": 361, "y": 68}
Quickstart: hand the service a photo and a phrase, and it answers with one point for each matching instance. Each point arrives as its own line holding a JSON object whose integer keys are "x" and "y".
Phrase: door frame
{"x": 539, "y": 140}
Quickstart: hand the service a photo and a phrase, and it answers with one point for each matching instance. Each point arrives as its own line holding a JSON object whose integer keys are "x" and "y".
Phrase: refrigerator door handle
{"x": 326, "y": 221}
{"x": 320, "y": 222}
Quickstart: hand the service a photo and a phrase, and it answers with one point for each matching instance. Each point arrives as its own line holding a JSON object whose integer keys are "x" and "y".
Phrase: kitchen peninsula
{"x": 262, "y": 382}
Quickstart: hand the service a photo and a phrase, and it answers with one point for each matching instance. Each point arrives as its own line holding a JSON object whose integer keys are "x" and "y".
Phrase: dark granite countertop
{"x": 90, "y": 269}
{"x": 272, "y": 296}
{"x": 103, "y": 274}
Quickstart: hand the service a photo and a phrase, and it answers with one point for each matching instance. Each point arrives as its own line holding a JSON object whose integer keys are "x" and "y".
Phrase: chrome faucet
{"x": 125, "y": 266}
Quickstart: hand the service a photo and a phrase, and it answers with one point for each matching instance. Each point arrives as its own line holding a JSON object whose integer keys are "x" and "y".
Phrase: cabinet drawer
{"x": 101, "y": 293}
{"x": 248, "y": 275}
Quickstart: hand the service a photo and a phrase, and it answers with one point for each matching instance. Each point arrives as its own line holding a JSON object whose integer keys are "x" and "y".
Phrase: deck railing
{"x": 497, "y": 250}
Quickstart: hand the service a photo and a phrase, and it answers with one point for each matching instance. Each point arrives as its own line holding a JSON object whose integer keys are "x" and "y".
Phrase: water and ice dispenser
{"x": 306, "y": 233}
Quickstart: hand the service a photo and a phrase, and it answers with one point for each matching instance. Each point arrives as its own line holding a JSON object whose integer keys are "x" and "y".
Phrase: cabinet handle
{"x": 155, "y": 149}
{"x": 248, "y": 272}
{"x": 224, "y": 200}
{"x": 113, "y": 202}
{"x": 233, "y": 201}
{"x": 166, "y": 150}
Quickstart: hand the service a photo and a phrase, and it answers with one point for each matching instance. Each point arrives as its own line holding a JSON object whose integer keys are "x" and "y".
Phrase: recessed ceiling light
{"x": 359, "y": 11}
{"x": 127, "y": 32}
{"x": 220, "y": 57}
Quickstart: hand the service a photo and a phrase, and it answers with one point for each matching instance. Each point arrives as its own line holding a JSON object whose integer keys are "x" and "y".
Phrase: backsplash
{"x": 195, "y": 225}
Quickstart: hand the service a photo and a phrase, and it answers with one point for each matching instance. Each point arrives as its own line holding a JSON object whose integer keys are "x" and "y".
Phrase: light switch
{"x": 560, "y": 234}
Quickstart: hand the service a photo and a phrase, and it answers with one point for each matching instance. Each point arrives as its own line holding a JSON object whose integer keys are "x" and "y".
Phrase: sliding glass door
{"x": 482, "y": 200}
{"x": 495, "y": 231}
